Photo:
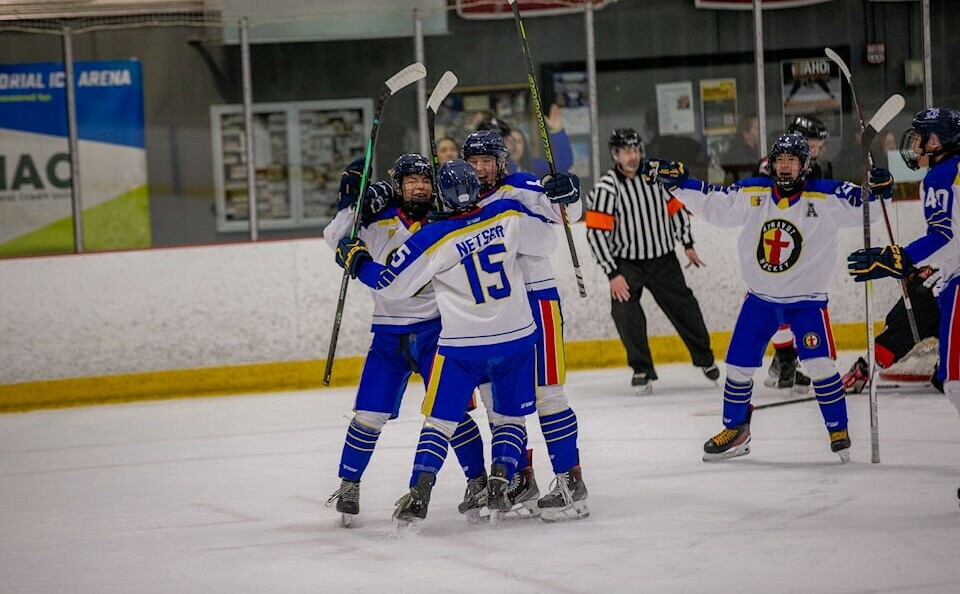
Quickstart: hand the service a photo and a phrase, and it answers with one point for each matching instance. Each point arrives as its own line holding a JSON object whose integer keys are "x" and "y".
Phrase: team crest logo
{"x": 779, "y": 247}
{"x": 756, "y": 200}
{"x": 811, "y": 340}
{"x": 811, "y": 211}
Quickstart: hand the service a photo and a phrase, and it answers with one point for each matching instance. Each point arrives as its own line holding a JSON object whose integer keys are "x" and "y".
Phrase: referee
{"x": 632, "y": 227}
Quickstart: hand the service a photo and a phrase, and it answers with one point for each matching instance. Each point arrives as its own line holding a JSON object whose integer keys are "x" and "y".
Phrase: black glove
{"x": 563, "y": 188}
{"x": 867, "y": 264}
{"x": 352, "y": 254}
{"x": 350, "y": 184}
{"x": 377, "y": 197}
{"x": 881, "y": 183}
{"x": 668, "y": 173}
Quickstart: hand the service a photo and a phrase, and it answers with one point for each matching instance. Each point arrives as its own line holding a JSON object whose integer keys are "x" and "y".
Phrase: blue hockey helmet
{"x": 458, "y": 184}
{"x": 413, "y": 164}
{"x": 487, "y": 143}
{"x": 790, "y": 144}
{"x": 942, "y": 121}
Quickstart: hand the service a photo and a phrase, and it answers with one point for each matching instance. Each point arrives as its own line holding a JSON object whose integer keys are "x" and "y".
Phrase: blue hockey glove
{"x": 668, "y": 173}
{"x": 377, "y": 197}
{"x": 352, "y": 254}
{"x": 881, "y": 183}
{"x": 350, "y": 184}
{"x": 879, "y": 262}
{"x": 564, "y": 188}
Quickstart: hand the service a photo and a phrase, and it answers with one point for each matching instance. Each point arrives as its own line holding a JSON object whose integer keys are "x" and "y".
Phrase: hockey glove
{"x": 564, "y": 188}
{"x": 668, "y": 173}
{"x": 350, "y": 184}
{"x": 352, "y": 254}
{"x": 881, "y": 183}
{"x": 377, "y": 197}
{"x": 868, "y": 264}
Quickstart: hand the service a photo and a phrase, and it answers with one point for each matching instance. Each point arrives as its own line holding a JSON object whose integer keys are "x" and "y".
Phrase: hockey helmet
{"x": 790, "y": 144}
{"x": 808, "y": 126}
{"x": 624, "y": 138}
{"x": 412, "y": 164}
{"x": 487, "y": 143}
{"x": 458, "y": 185}
{"x": 942, "y": 121}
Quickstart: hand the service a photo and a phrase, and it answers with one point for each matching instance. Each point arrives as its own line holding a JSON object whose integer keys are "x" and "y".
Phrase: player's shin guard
{"x": 357, "y": 449}
{"x": 736, "y": 402}
{"x": 508, "y": 447}
{"x": 431, "y": 452}
{"x": 560, "y": 432}
{"x": 468, "y": 447}
{"x": 833, "y": 406}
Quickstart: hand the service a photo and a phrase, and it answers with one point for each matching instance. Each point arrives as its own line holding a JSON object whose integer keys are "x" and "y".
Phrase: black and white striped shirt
{"x": 630, "y": 219}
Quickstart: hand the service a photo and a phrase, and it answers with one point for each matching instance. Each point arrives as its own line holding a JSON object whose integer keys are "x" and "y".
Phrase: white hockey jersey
{"x": 383, "y": 236}
{"x": 472, "y": 261}
{"x": 527, "y": 190}
{"x": 787, "y": 248}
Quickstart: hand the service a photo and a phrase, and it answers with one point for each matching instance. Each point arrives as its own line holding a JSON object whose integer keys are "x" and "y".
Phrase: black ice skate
{"x": 711, "y": 372}
{"x": 523, "y": 493}
{"x": 729, "y": 443}
{"x": 857, "y": 378}
{"x": 412, "y": 507}
{"x": 840, "y": 444}
{"x": 642, "y": 384}
{"x": 348, "y": 500}
{"x": 567, "y": 500}
{"x": 474, "y": 498}
{"x": 498, "y": 501}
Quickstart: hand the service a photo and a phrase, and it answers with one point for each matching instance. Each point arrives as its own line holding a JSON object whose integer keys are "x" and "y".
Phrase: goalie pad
{"x": 916, "y": 366}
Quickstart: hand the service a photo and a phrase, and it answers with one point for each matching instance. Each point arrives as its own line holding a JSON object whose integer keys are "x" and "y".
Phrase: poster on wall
{"x": 718, "y": 105}
{"x": 572, "y": 95}
{"x": 35, "y": 184}
{"x": 675, "y": 108}
{"x": 812, "y": 87}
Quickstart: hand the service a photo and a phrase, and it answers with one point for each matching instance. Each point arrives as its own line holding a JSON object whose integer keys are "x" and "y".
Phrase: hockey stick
{"x": 401, "y": 79}
{"x": 907, "y": 303}
{"x": 446, "y": 84}
{"x": 545, "y": 138}
{"x": 890, "y": 108}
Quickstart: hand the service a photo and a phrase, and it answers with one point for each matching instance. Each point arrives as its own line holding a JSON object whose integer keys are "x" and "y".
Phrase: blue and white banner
{"x": 35, "y": 194}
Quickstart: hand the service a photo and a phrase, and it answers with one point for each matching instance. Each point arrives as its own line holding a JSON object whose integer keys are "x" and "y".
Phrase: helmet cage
{"x": 412, "y": 164}
{"x": 795, "y": 145}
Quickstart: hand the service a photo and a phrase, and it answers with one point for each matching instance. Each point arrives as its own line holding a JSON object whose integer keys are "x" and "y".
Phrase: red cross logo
{"x": 772, "y": 240}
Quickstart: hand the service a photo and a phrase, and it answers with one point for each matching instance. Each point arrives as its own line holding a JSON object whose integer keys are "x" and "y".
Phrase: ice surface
{"x": 227, "y": 495}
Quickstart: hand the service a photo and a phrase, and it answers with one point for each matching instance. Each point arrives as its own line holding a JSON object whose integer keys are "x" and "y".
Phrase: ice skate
{"x": 711, "y": 372}
{"x": 857, "y": 378}
{"x": 567, "y": 500}
{"x": 840, "y": 444}
{"x": 523, "y": 494}
{"x": 412, "y": 507}
{"x": 729, "y": 443}
{"x": 642, "y": 384}
{"x": 498, "y": 502}
{"x": 474, "y": 498}
{"x": 773, "y": 373}
{"x": 917, "y": 366}
{"x": 348, "y": 500}
{"x": 801, "y": 383}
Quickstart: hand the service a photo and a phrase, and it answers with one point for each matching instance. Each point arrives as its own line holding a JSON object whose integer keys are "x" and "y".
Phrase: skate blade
{"x": 411, "y": 526}
{"x": 347, "y": 519}
{"x": 736, "y": 452}
{"x": 578, "y": 511}
{"x": 643, "y": 390}
{"x": 798, "y": 389}
{"x": 771, "y": 382}
{"x": 844, "y": 455}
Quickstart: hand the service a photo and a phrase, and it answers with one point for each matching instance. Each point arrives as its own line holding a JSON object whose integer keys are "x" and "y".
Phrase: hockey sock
{"x": 468, "y": 447}
{"x": 736, "y": 402}
{"x": 431, "y": 452}
{"x": 508, "y": 447}
{"x": 560, "y": 432}
{"x": 830, "y": 397}
{"x": 357, "y": 450}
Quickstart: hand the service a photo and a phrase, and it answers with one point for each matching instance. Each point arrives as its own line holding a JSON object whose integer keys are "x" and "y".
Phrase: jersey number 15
{"x": 494, "y": 268}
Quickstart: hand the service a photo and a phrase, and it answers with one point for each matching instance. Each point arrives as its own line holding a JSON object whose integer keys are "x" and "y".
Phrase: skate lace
{"x": 402, "y": 504}
{"x": 560, "y": 487}
{"x": 348, "y": 492}
{"x": 725, "y": 436}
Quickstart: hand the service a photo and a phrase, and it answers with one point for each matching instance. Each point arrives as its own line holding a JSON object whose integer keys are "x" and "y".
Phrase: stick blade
{"x": 836, "y": 59}
{"x": 405, "y": 77}
{"x": 446, "y": 84}
{"x": 889, "y": 110}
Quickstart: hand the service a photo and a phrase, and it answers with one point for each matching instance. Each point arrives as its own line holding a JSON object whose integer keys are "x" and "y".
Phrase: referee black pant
{"x": 664, "y": 279}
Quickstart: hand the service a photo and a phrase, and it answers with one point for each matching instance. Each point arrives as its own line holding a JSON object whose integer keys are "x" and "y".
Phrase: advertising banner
{"x": 35, "y": 184}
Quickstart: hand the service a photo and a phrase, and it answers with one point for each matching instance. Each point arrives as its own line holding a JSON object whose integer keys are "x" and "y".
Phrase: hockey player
{"x": 405, "y": 332}
{"x": 933, "y": 141}
{"x": 787, "y": 251}
{"x": 567, "y": 499}
{"x": 470, "y": 254}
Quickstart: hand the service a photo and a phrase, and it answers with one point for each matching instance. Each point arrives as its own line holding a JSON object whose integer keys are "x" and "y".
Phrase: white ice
{"x": 227, "y": 495}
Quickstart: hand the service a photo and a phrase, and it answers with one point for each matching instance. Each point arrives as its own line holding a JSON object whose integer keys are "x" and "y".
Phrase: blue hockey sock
{"x": 736, "y": 402}
{"x": 431, "y": 452}
{"x": 357, "y": 450}
{"x": 468, "y": 447}
{"x": 508, "y": 447}
{"x": 560, "y": 431}
{"x": 833, "y": 404}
